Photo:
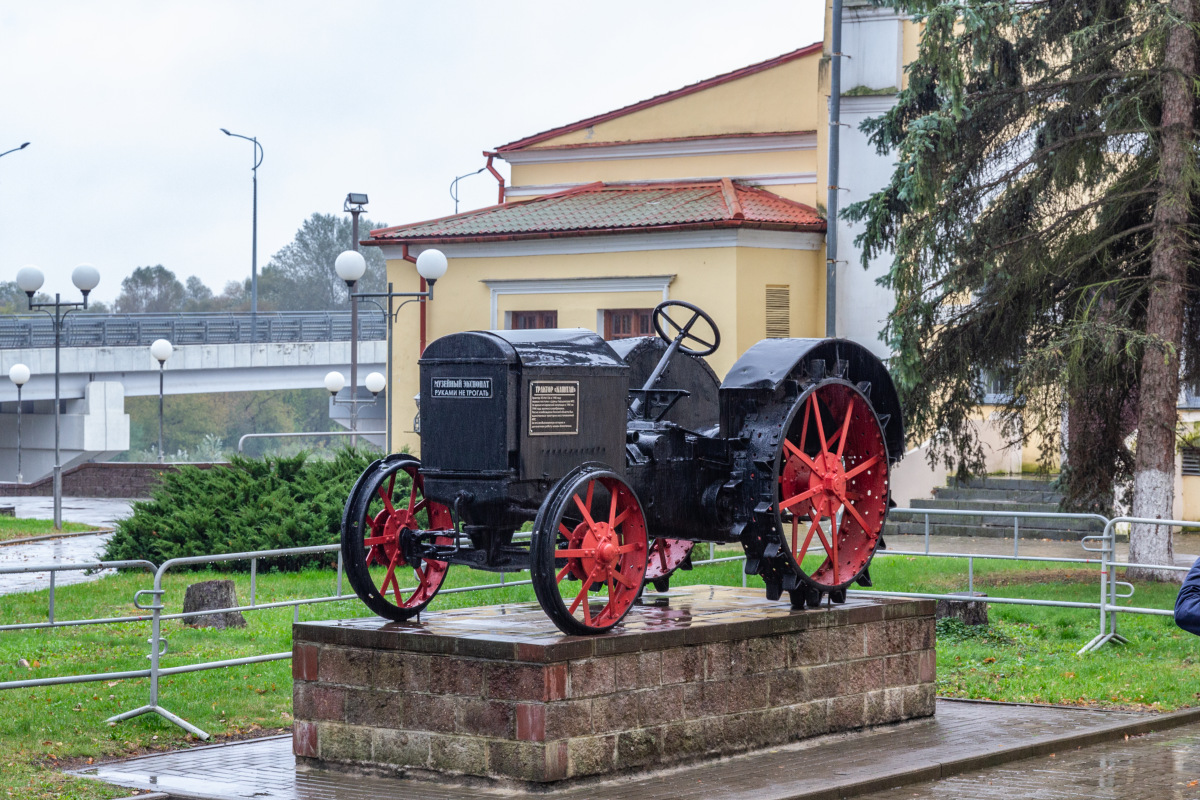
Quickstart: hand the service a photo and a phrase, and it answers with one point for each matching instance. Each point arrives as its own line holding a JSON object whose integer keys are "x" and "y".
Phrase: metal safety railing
{"x": 1104, "y": 558}
{"x": 132, "y": 330}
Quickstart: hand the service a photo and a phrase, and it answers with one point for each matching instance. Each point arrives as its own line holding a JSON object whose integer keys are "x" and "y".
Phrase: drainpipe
{"x": 424, "y": 288}
{"x": 500, "y": 178}
{"x": 831, "y": 203}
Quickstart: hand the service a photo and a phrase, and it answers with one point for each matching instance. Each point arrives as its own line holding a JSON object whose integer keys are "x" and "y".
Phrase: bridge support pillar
{"x": 94, "y": 428}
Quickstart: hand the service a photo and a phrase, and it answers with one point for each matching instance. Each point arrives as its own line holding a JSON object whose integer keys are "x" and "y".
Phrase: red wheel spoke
{"x": 814, "y": 528}
{"x": 791, "y": 501}
{"x": 582, "y": 594}
{"x": 863, "y": 466}
{"x": 386, "y": 496}
{"x": 624, "y": 580}
{"x": 562, "y": 573}
{"x": 629, "y": 548}
{"x": 586, "y": 510}
{"x": 575, "y": 553}
{"x": 374, "y": 540}
{"x": 808, "y": 462}
{"x": 833, "y": 537}
{"x": 419, "y": 506}
{"x": 412, "y": 494}
{"x": 845, "y": 429}
{"x": 795, "y": 535}
{"x": 612, "y": 510}
{"x": 616, "y": 523}
{"x": 565, "y": 531}
{"x": 854, "y": 513}
{"x": 820, "y": 425}
{"x": 390, "y": 577}
{"x": 612, "y": 592}
{"x": 821, "y": 535}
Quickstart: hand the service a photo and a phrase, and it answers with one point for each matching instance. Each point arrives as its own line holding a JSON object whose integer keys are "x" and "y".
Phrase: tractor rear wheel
{"x": 588, "y": 551}
{"x": 382, "y": 528}
{"x": 833, "y": 487}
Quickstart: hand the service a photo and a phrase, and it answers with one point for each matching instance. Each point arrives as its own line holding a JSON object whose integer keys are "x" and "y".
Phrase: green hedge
{"x": 251, "y": 504}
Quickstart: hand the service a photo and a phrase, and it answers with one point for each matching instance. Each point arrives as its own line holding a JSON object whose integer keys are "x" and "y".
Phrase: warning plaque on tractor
{"x": 469, "y": 388}
{"x": 553, "y": 408}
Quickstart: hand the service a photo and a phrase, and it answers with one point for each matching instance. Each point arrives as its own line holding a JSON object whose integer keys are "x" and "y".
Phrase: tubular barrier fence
{"x": 1100, "y": 550}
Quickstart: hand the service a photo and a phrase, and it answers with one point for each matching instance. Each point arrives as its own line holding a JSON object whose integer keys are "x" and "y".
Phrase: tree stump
{"x": 211, "y": 595}
{"x": 971, "y": 612}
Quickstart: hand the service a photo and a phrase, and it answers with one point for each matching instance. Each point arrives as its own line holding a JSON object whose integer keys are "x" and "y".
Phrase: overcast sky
{"x": 122, "y": 102}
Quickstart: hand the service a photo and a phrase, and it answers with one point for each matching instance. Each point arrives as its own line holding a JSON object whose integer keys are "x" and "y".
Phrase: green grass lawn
{"x": 12, "y": 528}
{"x": 1027, "y": 654}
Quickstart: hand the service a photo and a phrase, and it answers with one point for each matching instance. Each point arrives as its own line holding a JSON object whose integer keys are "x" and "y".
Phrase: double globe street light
{"x": 350, "y": 267}
{"x": 29, "y": 280}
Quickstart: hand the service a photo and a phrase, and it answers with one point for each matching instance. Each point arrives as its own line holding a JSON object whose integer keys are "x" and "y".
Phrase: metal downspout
{"x": 831, "y": 203}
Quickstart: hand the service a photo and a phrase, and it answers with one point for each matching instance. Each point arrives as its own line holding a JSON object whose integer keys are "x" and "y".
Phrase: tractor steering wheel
{"x": 685, "y": 331}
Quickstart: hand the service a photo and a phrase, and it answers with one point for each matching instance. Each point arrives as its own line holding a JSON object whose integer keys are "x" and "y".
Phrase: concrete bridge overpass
{"x": 106, "y": 358}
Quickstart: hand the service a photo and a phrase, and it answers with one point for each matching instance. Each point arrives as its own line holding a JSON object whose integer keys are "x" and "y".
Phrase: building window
{"x": 530, "y": 320}
{"x": 779, "y": 312}
{"x": 621, "y": 323}
{"x": 1191, "y": 461}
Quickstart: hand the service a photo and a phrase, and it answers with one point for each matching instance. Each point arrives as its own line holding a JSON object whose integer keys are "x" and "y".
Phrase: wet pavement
{"x": 1152, "y": 767}
{"x": 959, "y": 741}
{"x": 101, "y": 512}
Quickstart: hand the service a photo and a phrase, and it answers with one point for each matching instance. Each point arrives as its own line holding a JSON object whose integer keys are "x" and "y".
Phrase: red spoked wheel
{"x": 588, "y": 551}
{"x": 381, "y": 538}
{"x": 833, "y": 486}
{"x": 666, "y": 556}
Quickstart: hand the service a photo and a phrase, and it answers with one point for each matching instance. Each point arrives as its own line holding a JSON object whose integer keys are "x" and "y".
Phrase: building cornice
{"x": 677, "y": 148}
{"x": 619, "y": 243}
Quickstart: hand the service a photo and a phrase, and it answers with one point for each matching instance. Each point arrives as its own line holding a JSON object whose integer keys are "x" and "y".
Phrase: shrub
{"x": 251, "y": 504}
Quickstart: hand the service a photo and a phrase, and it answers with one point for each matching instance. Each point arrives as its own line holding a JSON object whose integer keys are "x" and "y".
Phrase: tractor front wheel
{"x": 588, "y": 551}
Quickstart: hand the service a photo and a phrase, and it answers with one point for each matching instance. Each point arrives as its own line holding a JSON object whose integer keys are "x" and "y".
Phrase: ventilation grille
{"x": 779, "y": 312}
{"x": 1191, "y": 461}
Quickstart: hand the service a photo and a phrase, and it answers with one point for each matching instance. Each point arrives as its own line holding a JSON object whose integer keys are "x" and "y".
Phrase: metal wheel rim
{"x": 375, "y": 563}
{"x": 825, "y": 479}
{"x": 588, "y": 568}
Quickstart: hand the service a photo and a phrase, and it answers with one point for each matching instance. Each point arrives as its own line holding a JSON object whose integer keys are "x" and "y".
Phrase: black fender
{"x": 777, "y": 368}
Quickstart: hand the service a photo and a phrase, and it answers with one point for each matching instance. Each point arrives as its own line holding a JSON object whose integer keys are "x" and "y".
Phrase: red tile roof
{"x": 662, "y": 98}
{"x": 600, "y": 208}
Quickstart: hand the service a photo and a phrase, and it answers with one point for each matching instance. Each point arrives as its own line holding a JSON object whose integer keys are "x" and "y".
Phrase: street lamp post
{"x": 431, "y": 265}
{"x": 19, "y": 375}
{"x": 161, "y": 349}
{"x": 15, "y": 149}
{"x": 258, "y": 159}
{"x": 30, "y": 279}
{"x": 350, "y": 266}
{"x": 335, "y": 382}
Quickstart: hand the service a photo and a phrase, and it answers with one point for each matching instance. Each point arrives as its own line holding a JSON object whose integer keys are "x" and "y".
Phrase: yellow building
{"x": 705, "y": 194}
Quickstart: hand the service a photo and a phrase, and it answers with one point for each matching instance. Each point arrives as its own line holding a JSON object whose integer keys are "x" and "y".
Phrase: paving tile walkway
{"x": 963, "y": 736}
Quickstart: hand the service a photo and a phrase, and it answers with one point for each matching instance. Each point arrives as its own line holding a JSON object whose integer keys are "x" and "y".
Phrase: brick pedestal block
{"x": 498, "y": 692}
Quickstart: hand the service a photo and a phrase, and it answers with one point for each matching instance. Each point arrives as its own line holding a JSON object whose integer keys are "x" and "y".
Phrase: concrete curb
{"x": 922, "y": 771}
{"x": 49, "y": 536}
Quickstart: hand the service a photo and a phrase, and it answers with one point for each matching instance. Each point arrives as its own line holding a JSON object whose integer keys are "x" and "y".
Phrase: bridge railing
{"x": 132, "y": 330}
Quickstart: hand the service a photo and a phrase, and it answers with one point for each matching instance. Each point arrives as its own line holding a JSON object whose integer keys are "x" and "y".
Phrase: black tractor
{"x": 789, "y": 456}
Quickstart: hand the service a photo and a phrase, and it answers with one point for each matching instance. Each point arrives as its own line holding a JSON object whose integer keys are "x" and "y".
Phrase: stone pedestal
{"x": 498, "y": 692}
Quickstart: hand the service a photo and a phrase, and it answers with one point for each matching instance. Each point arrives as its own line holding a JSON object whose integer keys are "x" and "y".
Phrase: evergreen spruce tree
{"x": 1041, "y": 220}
